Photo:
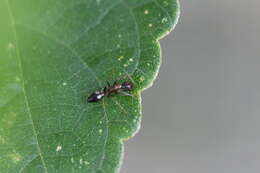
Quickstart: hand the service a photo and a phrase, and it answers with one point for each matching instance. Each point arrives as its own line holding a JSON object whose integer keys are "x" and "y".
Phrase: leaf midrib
{"x": 13, "y": 30}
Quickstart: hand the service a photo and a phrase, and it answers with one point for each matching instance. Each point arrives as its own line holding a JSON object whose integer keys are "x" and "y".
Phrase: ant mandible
{"x": 108, "y": 90}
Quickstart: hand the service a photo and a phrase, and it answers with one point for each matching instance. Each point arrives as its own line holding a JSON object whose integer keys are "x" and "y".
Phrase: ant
{"x": 108, "y": 90}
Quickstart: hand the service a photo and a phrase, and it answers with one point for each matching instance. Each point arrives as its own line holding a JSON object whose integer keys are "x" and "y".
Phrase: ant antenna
{"x": 108, "y": 84}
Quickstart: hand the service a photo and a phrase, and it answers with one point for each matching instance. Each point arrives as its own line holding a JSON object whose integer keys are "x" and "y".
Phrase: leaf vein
{"x": 25, "y": 96}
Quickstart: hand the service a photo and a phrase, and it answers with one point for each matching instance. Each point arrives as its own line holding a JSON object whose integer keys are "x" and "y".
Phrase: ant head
{"x": 127, "y": 86}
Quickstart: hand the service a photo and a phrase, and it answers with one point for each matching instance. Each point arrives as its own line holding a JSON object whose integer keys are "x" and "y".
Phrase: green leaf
{"x": 53, "y": 54}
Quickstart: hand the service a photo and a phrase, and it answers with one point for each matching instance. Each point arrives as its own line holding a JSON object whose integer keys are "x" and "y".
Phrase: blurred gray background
{"x": 203, "y": 113}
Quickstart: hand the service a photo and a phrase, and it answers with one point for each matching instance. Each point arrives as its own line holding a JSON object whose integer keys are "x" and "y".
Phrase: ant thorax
{"x": 117, "y": 86}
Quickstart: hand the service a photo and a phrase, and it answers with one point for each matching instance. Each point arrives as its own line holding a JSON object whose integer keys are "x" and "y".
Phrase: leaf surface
{"x": 53, "y": 55}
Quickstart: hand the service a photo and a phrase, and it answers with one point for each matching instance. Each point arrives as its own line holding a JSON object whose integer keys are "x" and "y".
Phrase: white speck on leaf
{"x": 100, "y": 130}
{"x": 80, "y": 161}
{"x": 165, "y": 3}
{"x": 58, "y": 148}
{"x": 17, "y": 79}
{"x": 16, "y": 157}
{"x": 150, "y": 25}
{"x": 146, "y": 12}
{"x": 2, "y": 140}
{"x": 98, "y": 2}
{"x": 131, "y": 60}
{"x": 120, "y": 58}
{"x": 64, "y": 83}
{"x": 10, "y": 46}
{"x": 164, "y": 20}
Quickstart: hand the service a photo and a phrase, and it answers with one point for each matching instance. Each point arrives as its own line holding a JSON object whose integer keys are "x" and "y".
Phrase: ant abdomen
{"x": 96, "y": 96}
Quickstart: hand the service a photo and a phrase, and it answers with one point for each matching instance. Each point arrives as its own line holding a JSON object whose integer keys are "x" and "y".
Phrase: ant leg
{"x": 129, "y": 77}
{"x": 108, "y": 84}
{"x": 115, "y": 83}
{"x": 125, "y": 93}
{"x": 132, "y": 80}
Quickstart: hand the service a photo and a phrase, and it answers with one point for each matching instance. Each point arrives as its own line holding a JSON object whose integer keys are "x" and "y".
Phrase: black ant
{"x": 108, "y": 90}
